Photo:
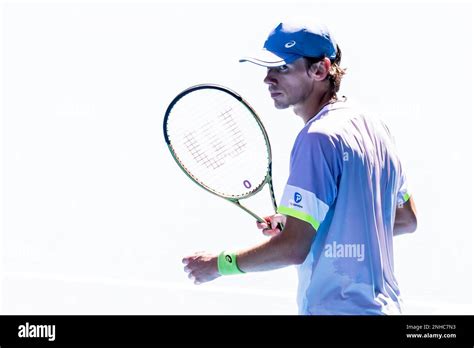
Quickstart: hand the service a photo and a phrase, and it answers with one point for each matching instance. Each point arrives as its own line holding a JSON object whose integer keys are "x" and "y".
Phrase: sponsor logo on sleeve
{"x": 297, "y": 198}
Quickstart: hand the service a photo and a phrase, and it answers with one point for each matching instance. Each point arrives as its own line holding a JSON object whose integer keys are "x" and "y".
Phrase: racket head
{"x": 218, "y": 141}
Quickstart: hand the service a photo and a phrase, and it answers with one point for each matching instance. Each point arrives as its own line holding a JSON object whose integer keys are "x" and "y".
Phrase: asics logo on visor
{"x": 290, "y": 44}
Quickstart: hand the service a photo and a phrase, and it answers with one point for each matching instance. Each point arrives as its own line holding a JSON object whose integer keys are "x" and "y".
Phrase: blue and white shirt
{"x": 346, "y": 180}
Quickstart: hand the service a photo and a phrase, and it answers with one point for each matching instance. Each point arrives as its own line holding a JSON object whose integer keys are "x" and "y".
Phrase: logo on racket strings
{"x": 216, "y": 140}
{"x": 247, "y": 184}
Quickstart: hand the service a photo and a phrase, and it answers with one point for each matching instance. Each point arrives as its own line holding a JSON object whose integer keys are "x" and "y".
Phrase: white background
{"x": 96, "y": 214}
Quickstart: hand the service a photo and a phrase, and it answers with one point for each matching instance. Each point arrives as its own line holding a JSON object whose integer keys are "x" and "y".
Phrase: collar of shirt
{"x": 338, "y": 104}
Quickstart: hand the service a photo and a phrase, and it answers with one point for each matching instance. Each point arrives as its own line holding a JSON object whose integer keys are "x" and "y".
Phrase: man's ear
{"x": 320, "y": 70}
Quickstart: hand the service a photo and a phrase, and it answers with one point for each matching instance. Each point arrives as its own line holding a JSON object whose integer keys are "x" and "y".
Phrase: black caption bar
{"x": 452, "y": 331}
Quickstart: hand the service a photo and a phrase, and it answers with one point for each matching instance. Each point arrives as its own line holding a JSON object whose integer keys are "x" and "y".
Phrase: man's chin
{"x": 280, "y": 106}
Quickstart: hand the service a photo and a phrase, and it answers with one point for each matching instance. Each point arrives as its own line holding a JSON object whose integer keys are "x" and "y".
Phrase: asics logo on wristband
{"x": 227, "y": 264}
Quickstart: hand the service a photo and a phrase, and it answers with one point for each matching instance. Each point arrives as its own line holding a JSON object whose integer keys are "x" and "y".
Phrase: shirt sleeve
{"x": 403, "y": 195}
{"x": 313, "y": 181}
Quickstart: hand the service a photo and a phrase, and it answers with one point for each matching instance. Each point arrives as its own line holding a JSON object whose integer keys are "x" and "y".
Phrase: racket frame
{"x": 268, "y": 176}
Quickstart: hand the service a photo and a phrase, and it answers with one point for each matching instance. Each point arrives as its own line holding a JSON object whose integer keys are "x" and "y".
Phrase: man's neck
{"x": 312, "y": 106}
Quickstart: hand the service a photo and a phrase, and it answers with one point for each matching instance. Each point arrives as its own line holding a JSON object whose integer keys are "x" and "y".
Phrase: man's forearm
{"x": 290, "y": 247}
{"x": 405, "y": 218}
{"x": 403, "y": 227}
{"x": 271, "y": 254}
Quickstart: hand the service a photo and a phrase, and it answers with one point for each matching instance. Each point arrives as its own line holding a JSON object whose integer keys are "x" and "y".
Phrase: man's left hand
{"x": 201, "y": 267}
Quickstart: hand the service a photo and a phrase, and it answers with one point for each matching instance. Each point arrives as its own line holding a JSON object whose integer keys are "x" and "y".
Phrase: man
{"x": 346, "y": 196}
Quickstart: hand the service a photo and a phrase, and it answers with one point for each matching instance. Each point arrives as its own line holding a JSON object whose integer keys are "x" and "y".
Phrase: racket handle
{"x": 280, "y": 226}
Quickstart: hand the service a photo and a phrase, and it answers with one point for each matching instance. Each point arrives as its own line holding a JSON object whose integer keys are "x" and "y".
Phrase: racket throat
{"x": 256, "y": 217}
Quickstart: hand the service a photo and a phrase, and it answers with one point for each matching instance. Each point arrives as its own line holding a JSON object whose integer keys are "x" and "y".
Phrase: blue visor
{"x": 287, "y": 42}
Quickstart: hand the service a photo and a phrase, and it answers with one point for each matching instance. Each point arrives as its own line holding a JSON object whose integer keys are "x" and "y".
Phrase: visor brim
{"x": 269, "y": 59}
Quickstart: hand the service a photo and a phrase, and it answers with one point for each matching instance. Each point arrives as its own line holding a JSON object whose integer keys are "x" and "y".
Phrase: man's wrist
{"x": 227, "y": 263}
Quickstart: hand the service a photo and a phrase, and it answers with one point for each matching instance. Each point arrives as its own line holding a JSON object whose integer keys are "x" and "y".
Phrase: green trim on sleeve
{"x": 406, "y": 197}
{"x": 299, "y": 215}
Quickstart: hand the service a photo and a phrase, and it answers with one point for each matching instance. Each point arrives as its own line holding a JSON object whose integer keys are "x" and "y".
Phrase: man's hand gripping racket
{"x": 273, "y": 225}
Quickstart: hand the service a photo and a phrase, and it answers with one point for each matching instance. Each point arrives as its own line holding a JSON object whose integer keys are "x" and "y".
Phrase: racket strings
{"x": 232, "y": 149}
{"x": 219, "y": 142}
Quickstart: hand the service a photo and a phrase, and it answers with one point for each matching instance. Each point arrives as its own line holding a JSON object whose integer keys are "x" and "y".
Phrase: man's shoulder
{"x": 344, "y": 121}
{"x": 333, "y": 122}
{"x": 318, "y": 135}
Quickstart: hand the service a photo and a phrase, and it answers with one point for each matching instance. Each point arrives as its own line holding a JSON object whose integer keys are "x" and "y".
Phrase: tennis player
{"x": 346, "y": 196}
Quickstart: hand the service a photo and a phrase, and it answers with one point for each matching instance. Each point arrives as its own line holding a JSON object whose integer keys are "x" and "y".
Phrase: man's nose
{"x": 270, "y": 78}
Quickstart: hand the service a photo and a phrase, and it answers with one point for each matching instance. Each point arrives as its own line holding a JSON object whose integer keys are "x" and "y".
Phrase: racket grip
{"x": 279, "y": 226}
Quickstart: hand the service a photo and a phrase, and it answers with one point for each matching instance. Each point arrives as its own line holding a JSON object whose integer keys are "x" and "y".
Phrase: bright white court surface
{"x": 96, "y": 216}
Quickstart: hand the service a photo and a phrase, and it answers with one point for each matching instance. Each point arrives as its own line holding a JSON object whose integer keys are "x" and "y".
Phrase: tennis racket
{"x": 220, "y": 143}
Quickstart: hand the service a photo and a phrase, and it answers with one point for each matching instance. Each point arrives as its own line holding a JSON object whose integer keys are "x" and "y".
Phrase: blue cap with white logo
{"x": 286, "y": 43}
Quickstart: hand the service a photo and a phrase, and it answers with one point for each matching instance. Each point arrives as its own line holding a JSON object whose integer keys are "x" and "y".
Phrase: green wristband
{"x": 227, "y": 264}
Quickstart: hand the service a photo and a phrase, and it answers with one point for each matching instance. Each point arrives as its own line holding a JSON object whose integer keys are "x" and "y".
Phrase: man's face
{"x": 289, "y": 84}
